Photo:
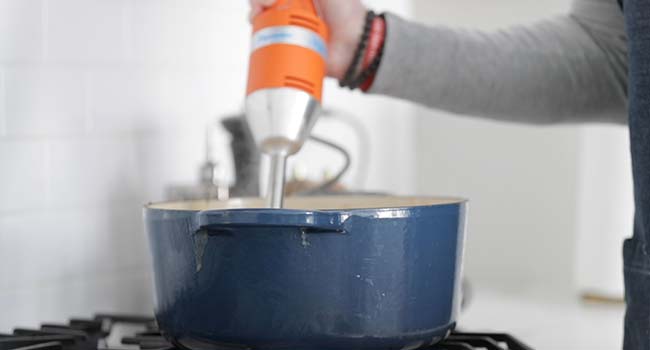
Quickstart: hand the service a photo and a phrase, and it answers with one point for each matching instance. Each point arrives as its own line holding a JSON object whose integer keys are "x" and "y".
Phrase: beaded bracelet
{"x": 349, "y": 77}
{"x": 374, "y": 54}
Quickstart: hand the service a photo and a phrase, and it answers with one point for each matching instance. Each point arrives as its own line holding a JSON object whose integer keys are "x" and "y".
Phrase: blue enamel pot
{"x": 327, "y": 273}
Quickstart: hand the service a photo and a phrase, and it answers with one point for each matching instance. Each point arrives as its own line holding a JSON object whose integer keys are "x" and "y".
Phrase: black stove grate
{"x": 124, "y": 332}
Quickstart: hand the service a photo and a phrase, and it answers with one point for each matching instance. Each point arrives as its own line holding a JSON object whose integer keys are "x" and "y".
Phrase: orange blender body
{"x": 289, "y": 49}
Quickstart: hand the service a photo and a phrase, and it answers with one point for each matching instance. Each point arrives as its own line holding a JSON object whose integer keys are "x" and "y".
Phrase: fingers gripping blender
{"x": 285, "y": 82}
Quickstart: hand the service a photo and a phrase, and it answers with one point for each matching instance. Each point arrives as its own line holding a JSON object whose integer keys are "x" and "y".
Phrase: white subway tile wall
{"x": 96, "y": 32}
{"x": 102, "y": 105}
{"x": 22, "y": 179}
{"x": 21, "y": 33}
{"x": 43, "y": 100}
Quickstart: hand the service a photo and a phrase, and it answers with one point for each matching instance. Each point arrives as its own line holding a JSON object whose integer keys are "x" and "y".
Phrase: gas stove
{"x": 123, "y": 332}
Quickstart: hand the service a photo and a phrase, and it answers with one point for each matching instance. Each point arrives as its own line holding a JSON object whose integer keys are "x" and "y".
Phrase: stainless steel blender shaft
{"x": 275, "y": 193}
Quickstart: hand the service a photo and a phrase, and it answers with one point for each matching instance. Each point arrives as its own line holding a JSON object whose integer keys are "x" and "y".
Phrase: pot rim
{"x": 310, "y": 204}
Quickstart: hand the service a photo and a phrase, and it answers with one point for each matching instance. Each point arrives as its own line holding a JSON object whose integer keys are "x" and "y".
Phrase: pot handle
{"x": 219, "y": 221}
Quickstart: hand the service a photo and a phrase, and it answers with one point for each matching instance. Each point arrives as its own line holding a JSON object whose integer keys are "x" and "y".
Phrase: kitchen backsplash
{"x": 102, "y": 104}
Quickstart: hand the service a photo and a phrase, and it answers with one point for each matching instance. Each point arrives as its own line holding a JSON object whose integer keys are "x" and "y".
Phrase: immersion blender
{"x": 285, "y": 82}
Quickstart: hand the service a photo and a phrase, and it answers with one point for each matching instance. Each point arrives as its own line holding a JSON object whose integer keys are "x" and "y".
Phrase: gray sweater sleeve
{"x": 571, "y": 68}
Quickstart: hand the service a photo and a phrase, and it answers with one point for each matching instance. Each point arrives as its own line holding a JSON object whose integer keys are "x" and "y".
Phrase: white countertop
{"x": 545, "y": 321}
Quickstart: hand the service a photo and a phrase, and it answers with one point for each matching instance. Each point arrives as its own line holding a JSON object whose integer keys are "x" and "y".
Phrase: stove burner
{"x": 124, "y": 332}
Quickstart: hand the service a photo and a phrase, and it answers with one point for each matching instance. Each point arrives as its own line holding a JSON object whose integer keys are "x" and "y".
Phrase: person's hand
{"x": 345, "y": 19}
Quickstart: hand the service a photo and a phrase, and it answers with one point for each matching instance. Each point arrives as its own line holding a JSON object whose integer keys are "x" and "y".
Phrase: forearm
{"x": 559, "y": 70}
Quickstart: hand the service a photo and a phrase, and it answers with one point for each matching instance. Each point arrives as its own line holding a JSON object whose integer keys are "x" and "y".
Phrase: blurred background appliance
{"x": 212, "y": 182}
